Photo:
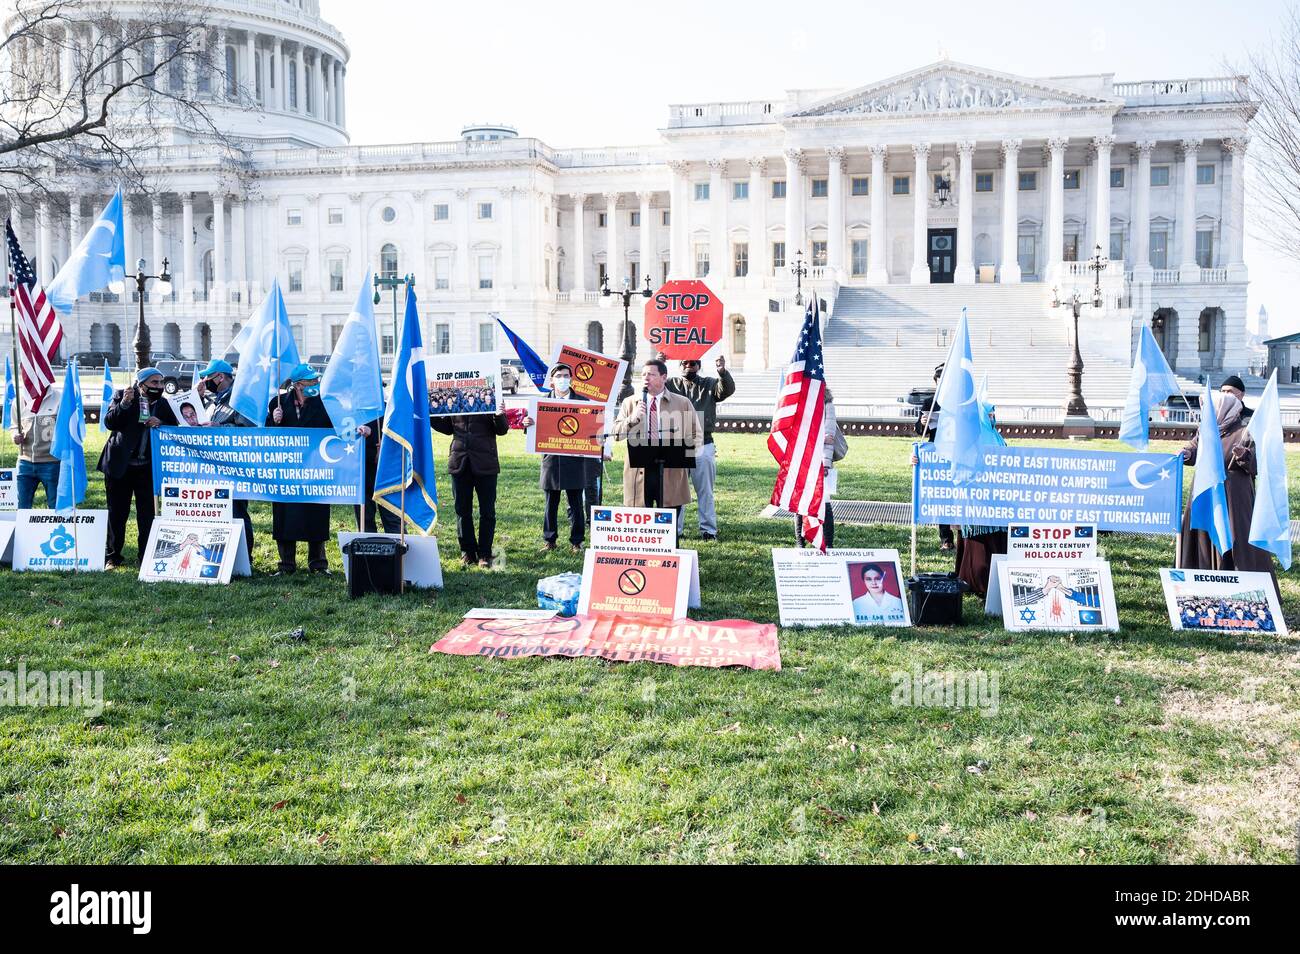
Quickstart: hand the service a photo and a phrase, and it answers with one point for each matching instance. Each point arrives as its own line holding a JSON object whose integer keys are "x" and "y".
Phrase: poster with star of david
{"x": 190, "y": 551}
{"x": 1074, "y": 596}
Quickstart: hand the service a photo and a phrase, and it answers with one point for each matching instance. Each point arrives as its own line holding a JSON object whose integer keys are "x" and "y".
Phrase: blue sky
{"x": 595, "y": 74}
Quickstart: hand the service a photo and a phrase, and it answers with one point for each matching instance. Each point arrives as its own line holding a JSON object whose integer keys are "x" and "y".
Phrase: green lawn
{"x": 224, "y": 741}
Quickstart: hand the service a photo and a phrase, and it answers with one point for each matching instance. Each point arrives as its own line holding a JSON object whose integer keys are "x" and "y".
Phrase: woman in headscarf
{"x": 1195, "y": 551}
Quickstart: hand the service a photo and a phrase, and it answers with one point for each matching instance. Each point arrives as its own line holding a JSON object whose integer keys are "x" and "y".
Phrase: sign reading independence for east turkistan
{"x": 286, "y": 464}
{"x": 1139, "y": 493}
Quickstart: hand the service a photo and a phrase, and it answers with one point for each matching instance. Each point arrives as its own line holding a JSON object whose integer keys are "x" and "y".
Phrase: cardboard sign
{"x": 189, "y": 409}
{"x": 1071, "y": 596}
{"x": 634, "y": 529}
{"x": 726, "y": 642}
{"x": 683, "y": 319}
{"x": 1222, "y": 601}
{"x": 195, "y": 551}
{"x": 596, "y": 377}
{"x": 839, "y": 587}
{"x": 567, "y": 428}
{"x": 46, "y": 541}
{"x": 1051, "y": 541}
{"x": 8, "y": 490}
{"x": 421, "y": 564}
{"x": 464, "y": 383}
{"x": 7, "y": 527}
{"x": 488, "y": 612}
{"x": 634, "y": 584}
{"x": 206, "y": 502}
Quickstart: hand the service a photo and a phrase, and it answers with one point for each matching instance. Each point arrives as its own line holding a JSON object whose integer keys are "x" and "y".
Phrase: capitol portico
{"x": 948, "y": 174}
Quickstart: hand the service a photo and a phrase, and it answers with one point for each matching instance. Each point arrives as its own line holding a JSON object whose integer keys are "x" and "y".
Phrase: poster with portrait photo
{"x": 876, "y": 592}
{"x": 189, "y": 409}
{"x": 842, "y": 587}
{"x": 1222, "y": 601}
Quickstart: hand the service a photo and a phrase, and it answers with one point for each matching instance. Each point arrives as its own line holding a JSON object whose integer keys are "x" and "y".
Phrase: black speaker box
{"x": 935, "y": 599}
{"x": 374, "y": 566}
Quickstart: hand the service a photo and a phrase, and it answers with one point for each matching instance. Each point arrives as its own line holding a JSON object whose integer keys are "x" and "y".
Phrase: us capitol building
{"x": 905, "y": 198}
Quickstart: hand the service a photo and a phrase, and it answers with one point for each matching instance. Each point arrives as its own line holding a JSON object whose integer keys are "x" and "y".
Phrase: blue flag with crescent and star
{"x": 351, "y": 387}
{"x": 269, "y": 352}
{"x": 1151, "y": 382}
{"x": 959, "y": 434}
{"x": 98, "y": 261}
{"x": 69, "y": 442}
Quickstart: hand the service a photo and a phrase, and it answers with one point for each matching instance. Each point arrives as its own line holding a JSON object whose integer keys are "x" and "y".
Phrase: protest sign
{"x": 683, "y": 319}
{"x": 286, "y": 464}
{"x": 1069, "y": 596}
{"x": 464, "y": 383}
{"x": 210, "y": 502}
{"x": 8, "y": 490}
{"x": 839, "y": 587}
{"x": 567, "y": 428}
{"x": 1139, "y": 493}
{"x": 1051, "y": 542}
{"x": 726, "y": 642}
{"x": 1222, "y": 601}
{"x": 596, "y": 377}
{"x": 45, "y": 540}
{"x": 488, "y": 612}
{"x": 7, "y": 527}
{"x": 194, "y": 551}
{"x": 421, "y": 563}
{"x": 189, "y": 409}
{"x": 634, "y": 529}
{"x": 634, "y": 584}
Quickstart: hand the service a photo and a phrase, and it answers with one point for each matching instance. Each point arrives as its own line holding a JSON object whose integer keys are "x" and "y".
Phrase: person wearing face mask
{"x": 294, "y": 523}
{"x": 215, "y": 384}
{"x": 127, "y": 462}
{"x": 705, "y": 394}
{"x": 37, "y": 465}
{"x": 1195, "y": 551}
{"x": 563, "y": 474}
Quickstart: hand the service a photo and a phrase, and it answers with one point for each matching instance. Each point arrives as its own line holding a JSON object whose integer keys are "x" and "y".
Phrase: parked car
{"x": 179, "y": 375}
{"x": 92, "y": 359}
{"x": 318, "y": 362}
{"x": 917, "y": 400}
{"x": 157, "y": 357}
{"x": 511, "y": 371}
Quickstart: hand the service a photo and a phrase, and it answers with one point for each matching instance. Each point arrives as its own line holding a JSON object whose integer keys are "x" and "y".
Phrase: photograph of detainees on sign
{"x": 189, "y": 409}
{"x": 1222, "y": 602}
{"x": 464, "y": 384}
{"x": 1078, "y": 596}
{"x": 186, "y": 553}
{"x": 877, "y": 594}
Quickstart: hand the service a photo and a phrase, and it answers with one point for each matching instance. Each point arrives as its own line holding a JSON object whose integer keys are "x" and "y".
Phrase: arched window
{"x": 388, "y": 261}
{"x": 595, "y": 336}
{"x": 232, "y": 73}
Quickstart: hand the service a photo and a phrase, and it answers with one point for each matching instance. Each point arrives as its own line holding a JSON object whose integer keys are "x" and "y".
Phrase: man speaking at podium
{"x": 663, "y": 433}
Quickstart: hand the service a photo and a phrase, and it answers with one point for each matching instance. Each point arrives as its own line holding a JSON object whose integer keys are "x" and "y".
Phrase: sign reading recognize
{"x": 596, "y": 377}
{"x": 285, "y": 464}
{"x": 567, "y": 428}
{"x": 1139, "y": 493}
{"x": 464, "y": 383}
{"x": 683, "y": 319}
{"x": 634, "y": 584}
{"x": 1223, "y": 601}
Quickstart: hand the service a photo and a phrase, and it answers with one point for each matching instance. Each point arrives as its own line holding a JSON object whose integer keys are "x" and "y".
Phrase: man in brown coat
{"x": 657, "y": 417}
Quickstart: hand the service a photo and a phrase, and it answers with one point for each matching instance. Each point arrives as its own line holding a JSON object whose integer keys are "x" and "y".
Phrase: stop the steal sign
{"x": 1051, "y": 541}
{"x": 683, "y": 319}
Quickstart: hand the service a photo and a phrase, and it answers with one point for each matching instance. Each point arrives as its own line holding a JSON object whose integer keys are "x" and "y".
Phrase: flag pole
{"x": 915, "y": 448}
{"x": 13, "y": 329}
{"x": 403, "y": 497}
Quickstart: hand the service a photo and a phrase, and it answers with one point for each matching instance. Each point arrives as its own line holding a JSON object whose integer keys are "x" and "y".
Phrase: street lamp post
{"x": 143, "y": 342}
{"x": 394, "y": 282}
{"x": 1075, "y": 406}
{"x": 799, "y": 270}
{"x": 629, "y": 340}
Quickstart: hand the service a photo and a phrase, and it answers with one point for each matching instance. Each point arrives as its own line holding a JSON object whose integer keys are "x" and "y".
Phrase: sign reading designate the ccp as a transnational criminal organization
{"x": 1140, "y": 493}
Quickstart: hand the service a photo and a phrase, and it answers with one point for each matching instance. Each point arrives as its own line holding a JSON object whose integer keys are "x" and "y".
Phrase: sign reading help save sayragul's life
{"x": 1222, "y": 601}
{"x": 47, "y": 541}
{"x": 1138, "y": 493}
{"x": 683, "y": 319}
{"x": 839, "y": 587}
{"x": 197, "y": 502}
{"x": 1051, "y": 542}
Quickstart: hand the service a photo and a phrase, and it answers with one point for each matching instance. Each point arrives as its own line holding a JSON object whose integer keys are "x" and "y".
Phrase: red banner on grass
{"x": 726, "y": 642}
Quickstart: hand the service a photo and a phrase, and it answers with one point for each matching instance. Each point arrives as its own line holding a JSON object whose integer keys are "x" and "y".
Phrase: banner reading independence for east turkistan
{"x": 285, "y": 464}
{"x": 1139, "y": 493}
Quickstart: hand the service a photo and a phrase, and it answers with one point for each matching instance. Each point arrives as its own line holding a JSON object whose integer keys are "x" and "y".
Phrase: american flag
{"x": 38, "y": 328}
{"x": 796, "y": 437}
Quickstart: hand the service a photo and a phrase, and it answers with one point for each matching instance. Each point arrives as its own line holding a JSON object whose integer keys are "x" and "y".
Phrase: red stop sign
{"x": 683, "y": 319}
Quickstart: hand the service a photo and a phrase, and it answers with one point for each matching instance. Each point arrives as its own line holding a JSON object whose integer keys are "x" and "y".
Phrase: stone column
{"x": 1234, "y": 253}
{"x": 219, "y": 246}
{"x": 1101, "y": 227}
{"x": 1142, "y": 271}
{"x": 1009, "y": 269}
{"x": 281, "y": 98}
{"x": 337, "y": 118}
{"x": 249, "y": 72}
{"x": 649, "y": 260}
{"x": 343, "y": 97}
{"x": 187, "y": 243}
{"x": 67, "y": 60}
{"x": 835, "y": 212}
{"x": 300, "y": 81}
{"x": 579, "y": 249}
{"x": 1056, "y": 215}
{"x": 463, "y": 213}
{"x": 1188, "y": 270}
{"x": 965, "y": 272}
{"x": 219, "y": 74}
{"x": 920, "y": 205}
{"x": 43, "y": 242}
{"x": 676, "y": 215}
{"x": 759, "y": 267}
{"x": 156, "y": 239}
{"x": 319, "y": 98}
{"x": 613, "y": 264}
{"x": 719, "y": 264}
{"x": 507, "y": 237}
{"x": 239, "y": 248}
{"x": 794, "y": 235}
{"x": 878, "y": 250}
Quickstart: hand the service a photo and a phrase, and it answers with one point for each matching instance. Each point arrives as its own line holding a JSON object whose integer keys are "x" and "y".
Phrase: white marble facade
{"x": 1037, "y": 173}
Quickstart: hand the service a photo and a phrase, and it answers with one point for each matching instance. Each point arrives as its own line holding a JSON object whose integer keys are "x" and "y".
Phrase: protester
{"x": 391, "y": 522}
{"x": 1195, "y": 551}
{"x": 215, "y": 382}
{"x": 36, "y": 464}
{"x": 704, "y": 394}
{"x": 474, "y": 467}
{"x": 661, "y": 418}
{"x": 1233, "y": 385}
{"x": 127, "y": 459}
{"x": 976, "y": 547}
{"x": 925, "y": 426}
{"x": 294, "y": 523}
{"x": 835, "y": 447}
{"x": 574, "y": 476}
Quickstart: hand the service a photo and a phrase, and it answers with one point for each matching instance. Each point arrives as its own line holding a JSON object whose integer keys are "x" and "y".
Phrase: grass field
{"x": 224, "y": 741}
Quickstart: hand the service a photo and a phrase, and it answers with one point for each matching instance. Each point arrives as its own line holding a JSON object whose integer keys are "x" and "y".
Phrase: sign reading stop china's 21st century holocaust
{"x": 285, "y": 464}
{"x": 1139, "y": 493}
